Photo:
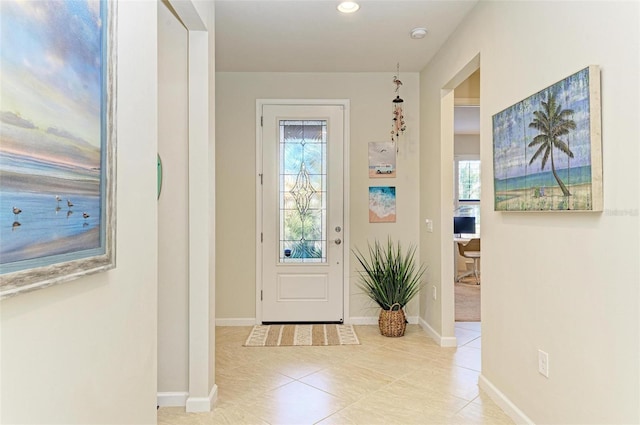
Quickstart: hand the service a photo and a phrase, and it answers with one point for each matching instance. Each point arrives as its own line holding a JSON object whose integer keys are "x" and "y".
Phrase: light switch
{"x": 429, "y": 223}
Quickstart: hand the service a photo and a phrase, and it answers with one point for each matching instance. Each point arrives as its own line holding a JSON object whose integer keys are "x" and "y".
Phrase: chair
{"x": 470, "y": 250}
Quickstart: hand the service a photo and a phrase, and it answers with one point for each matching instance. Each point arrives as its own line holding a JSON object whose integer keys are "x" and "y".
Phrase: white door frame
{"x": 447, "y": 277}
{"x": 345, "y": 103}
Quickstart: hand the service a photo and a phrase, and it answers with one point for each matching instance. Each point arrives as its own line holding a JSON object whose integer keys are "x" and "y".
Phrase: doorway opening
{"x": 466, "y": 200}
{"x": 460, "y": 106}
{"x": 466, "y": 211}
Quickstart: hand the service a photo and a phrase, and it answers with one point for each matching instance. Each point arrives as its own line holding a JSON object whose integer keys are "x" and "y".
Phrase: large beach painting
{"x": 57, "y": 142}
{"x": 547, "y": 153}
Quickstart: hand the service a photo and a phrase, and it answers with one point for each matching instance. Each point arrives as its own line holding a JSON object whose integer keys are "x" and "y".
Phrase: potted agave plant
{"x": 391, "y": 278}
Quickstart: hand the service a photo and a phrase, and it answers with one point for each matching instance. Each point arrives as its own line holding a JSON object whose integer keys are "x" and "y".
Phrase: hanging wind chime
{"x": 398, "y": 125}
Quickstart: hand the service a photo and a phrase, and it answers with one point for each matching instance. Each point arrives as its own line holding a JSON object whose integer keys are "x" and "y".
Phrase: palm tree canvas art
{"x": 547, "y": 148}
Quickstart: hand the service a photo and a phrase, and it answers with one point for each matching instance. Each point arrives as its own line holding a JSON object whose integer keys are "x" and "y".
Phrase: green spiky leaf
{"x": 388, "y": 275}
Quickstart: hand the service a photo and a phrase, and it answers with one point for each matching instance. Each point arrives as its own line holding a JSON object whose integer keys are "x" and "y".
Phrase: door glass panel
{"x": 303, "y": 191}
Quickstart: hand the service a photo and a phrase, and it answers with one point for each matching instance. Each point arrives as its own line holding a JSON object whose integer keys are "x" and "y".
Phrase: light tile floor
{"x": 407, "y": 380}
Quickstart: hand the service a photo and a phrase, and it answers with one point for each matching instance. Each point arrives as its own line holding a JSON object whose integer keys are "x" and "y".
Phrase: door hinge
{"x": 261, "y": 121}
{"x": 261, "y": 237}
{"x": 261, "y": 177}
{"x": 260, "y": 295}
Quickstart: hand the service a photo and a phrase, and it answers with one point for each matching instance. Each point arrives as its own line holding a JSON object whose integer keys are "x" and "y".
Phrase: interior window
{"x": 467, "y": 186}
{"x": 469, "y": 180}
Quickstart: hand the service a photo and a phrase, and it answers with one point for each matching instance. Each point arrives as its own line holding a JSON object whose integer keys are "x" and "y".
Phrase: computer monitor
{"x": 464, "y": 225}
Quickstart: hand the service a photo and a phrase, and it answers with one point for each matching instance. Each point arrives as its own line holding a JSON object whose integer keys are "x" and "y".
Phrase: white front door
{"x": 302, "y": 213}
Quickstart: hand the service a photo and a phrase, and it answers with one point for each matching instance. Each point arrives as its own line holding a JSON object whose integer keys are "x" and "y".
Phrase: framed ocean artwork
{"x": 382, "y": 204}
{"x": 57, "y": 141}
{"x": 547, "y": 149}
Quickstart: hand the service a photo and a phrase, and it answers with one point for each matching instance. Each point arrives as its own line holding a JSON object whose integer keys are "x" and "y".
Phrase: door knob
{"x": 338, "y": 241}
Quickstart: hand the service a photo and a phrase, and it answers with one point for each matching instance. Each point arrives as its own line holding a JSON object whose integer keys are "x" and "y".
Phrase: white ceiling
{"x": 312, "y": 36}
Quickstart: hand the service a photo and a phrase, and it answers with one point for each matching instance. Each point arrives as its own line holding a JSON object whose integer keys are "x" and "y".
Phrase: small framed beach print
{"x": 382, "y": 204}
{"x": 547, "y": 148}
{"x": 57, "y": 141}
{"x": 382, "y": 159}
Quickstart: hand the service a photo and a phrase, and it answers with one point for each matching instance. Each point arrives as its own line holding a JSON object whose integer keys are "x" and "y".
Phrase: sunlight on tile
{"x": 296, "y": 403}
{"x": 406, "y": 380}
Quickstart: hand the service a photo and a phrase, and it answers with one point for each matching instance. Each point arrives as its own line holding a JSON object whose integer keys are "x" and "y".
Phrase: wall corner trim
{"x": 173, "y": 398}
{"x": 503, "y": 401}
{"x": 449, "y": 341}
{"x": 202, "y": 404}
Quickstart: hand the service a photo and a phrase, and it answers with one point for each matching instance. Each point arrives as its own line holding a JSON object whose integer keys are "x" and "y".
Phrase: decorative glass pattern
{"x": 303, "y": 191}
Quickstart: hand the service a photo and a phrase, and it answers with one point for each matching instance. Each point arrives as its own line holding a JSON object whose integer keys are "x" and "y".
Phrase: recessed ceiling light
{"x": 348, "y": 6}
{"x": 418, "y": 33}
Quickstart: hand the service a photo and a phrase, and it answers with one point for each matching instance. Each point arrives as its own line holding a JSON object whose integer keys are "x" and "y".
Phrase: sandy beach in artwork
{"x": 375, "y": 218}
{"x": 56, "y": 186}
{"x": 553, "y": 199}
{"x": 60, "y": 246}
{"x": 56, "y": 215}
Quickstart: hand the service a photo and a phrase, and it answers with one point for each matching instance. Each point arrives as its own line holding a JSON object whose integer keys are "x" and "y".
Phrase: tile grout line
{"x": 370, "y": 344}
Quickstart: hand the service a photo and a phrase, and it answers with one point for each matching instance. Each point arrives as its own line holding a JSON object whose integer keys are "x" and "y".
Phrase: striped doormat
{"x": 289, "y": 335}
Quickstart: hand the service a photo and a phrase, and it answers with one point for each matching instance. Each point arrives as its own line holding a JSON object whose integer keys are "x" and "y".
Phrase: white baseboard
{"x": 363, "y": 320}
{"x": 443, "y": 341}
{"x": 202, "y": 404}
{"x": 173, "y": 399}
{"x": 373, "y": 320}
{"x": 242, "y": 321}
{"x": 503, "y": 402}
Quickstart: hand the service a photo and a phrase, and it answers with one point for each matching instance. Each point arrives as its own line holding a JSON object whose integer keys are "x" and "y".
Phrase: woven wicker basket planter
{"x": 392, "y": 322}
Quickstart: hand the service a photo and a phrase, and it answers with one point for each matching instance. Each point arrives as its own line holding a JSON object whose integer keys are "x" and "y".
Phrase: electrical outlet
{"x": 543, "y": 363}
{"x": 435, "y": 293}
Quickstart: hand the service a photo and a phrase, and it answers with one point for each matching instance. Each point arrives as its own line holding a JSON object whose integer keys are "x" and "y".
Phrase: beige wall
{"x": 466, "y": 144}
{"x": 84, "y": 352}
{"x": 469, "y": 89}
{"x": 173, "y": 205}
{"x": 370, "y": 95}
{"x": 561, "y": 282}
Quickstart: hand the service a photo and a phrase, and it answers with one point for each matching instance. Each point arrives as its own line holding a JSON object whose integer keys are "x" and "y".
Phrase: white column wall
{"x": 192, "y": 360}
{"x": 173, "y": 209}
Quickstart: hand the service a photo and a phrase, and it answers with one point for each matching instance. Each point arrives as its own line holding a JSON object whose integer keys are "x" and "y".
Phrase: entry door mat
{"x": 311, "y": 335}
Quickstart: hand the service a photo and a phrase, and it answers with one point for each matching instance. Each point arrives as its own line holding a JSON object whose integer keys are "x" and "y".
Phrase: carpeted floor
{"x": 288, "y": 335}
{"x": 467, "y": 295}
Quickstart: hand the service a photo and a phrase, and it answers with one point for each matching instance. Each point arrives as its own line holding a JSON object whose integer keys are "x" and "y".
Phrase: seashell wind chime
{"x": 398, "y": 125}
